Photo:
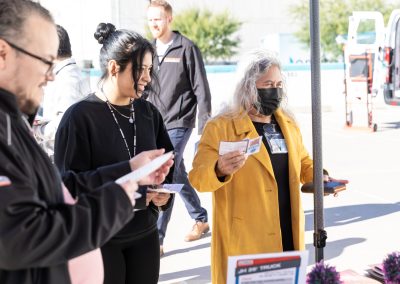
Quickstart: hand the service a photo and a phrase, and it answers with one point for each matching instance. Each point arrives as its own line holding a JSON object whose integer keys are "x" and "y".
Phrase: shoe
{"x": 161, "y": 251}
{"x": 198, "y": 230}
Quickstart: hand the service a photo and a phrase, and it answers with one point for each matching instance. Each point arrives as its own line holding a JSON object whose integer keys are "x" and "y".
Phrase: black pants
{"x": 132, "y": 262}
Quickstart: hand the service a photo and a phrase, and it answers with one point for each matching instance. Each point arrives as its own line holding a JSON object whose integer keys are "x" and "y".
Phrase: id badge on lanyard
{"x": 275, "y": 139}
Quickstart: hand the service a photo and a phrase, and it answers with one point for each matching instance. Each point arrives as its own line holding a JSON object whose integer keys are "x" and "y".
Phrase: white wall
{"x": 80, "y": 18}
{"x": 298, "y": 88}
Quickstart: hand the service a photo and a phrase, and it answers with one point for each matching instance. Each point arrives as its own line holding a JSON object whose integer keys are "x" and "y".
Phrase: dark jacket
{"x": 38, "y": 232}
{"x": 184, "y": 85}
{"x": 88, "y": 138}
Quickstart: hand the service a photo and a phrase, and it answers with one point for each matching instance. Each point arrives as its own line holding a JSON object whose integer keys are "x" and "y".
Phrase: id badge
{"x": 276, "y": 143}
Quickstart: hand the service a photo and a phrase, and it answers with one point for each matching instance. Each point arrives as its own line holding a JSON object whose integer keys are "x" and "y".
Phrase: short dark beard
{"x": 27, "y": 106}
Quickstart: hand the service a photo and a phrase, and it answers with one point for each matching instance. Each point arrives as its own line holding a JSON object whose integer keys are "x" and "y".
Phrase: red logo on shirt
{"x": 4, "y": 181}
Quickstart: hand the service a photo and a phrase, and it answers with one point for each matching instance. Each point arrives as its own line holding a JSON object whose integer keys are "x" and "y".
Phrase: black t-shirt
{"x": 281, "y": 171}
{"x": 88, "y": 138}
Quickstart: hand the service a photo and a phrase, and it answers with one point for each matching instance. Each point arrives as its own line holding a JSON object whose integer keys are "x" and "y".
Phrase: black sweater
{"x": 280, "y": 165}
{"x": 38, "y": 232}
{"x": 88, "y": 137}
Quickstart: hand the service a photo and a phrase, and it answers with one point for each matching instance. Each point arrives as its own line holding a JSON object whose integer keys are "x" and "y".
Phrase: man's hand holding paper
{"x": 157, "y": 176}
{"x": 148, "y": 167}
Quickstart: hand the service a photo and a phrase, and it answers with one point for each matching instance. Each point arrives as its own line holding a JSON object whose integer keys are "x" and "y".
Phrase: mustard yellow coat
{"x": 245, "y": 205}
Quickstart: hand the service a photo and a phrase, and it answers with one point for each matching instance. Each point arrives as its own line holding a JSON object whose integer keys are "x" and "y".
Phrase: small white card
{"x": 247, "y": 146}
{"x": 167, "y": 188}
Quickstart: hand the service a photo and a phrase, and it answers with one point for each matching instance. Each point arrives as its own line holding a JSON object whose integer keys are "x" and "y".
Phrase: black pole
{"x": 319, "y": 232}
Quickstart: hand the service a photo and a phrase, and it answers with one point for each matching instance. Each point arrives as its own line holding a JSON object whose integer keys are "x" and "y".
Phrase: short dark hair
{"x": 13, "y": 14}
{"x": 64, "y": 49}
{"x": 125, "y": 46}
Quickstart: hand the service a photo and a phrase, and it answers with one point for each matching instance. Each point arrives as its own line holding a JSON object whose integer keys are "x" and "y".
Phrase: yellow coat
{"x": 245, "y": 205}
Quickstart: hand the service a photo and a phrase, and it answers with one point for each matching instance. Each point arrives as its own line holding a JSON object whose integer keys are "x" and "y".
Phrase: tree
{"x": 213, "y": 33}
{"x": 334, "y": 20}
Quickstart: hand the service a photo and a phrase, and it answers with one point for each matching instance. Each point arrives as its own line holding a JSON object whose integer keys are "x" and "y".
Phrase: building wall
{"x": 80, "y": 18}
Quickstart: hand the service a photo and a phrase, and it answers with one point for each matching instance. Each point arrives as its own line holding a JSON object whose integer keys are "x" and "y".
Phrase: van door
{"x": 396, "y": 62}
{"x": 366, "y": 35}
{"x": 391, "y": 51}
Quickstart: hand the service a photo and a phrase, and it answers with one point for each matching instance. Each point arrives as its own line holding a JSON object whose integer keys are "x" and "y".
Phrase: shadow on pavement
{"x": 333, "y": 249}
{"x": 184, "y": 250}
{"x": 337, "y": 216}
{"x": 199, "y": 275}
{"x": 389, "y": 125}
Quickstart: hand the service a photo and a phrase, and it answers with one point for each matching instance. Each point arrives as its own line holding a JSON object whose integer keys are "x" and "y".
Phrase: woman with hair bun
{"x": 113, "y": 125}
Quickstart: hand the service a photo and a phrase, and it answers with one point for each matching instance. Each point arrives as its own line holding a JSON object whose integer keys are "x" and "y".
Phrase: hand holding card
{"x": 247, "y": 146}
{"x": 147, "y": 169}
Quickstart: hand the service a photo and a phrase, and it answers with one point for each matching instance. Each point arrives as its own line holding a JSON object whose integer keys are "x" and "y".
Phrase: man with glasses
{"x": 39, "y": 232}
{"x": 44, "y": 60}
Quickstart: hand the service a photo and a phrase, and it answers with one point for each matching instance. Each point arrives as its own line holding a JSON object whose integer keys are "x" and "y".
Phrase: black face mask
{"x": 269, "y": 99}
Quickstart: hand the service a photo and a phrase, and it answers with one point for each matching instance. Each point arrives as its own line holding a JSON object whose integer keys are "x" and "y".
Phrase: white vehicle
{"x": 391, "y": 59}
{"x": 366, "y": 35}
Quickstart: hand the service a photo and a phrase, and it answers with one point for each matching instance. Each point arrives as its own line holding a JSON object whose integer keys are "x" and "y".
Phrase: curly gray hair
{"x": 249, "y": 69}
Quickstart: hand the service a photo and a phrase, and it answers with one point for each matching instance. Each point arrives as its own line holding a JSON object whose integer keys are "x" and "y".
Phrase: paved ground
{"x": 362, "y": 223}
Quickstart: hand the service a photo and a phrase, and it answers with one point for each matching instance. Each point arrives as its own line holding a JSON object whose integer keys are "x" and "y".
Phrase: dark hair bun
{"x": 103, "y": 32}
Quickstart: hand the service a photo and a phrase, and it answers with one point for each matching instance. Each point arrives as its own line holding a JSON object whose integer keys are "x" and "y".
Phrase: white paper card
{"x": 147, "y": 169}
{"x": 247, "y": 146}
{"x": 168, "y": 188}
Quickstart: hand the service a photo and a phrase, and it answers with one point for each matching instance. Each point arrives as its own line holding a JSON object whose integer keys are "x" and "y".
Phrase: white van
{"x": 391, "y": 58}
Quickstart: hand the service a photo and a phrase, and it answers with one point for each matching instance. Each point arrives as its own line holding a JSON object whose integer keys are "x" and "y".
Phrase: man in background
{"x": 68, "y": 87}
{"x": 184, "y": 88}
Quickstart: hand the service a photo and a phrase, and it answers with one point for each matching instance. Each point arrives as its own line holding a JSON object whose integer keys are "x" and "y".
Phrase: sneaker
{"x": 161, "y": 251}
{"x": 198, "y": 230}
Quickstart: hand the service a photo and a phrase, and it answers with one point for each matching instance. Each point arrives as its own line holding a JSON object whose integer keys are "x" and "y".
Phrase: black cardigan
{"x": 88, "y": 137}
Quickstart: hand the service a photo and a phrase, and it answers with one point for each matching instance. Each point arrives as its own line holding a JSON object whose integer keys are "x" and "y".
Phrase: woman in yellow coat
{"x": 256, "y": 198}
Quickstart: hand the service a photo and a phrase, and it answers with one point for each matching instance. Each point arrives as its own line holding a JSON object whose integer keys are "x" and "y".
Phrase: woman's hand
{"x": 230, "y": 163}
{"x": 327, "y": 178}
{"x": 149, "y": 196}
{"x": 158, "y": 199}
{"x": 161, "y": 199}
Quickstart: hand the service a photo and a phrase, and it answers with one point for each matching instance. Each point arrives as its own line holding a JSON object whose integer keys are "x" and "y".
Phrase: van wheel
{"x": 349, "y": 119}
{"x": 375, "y": 127}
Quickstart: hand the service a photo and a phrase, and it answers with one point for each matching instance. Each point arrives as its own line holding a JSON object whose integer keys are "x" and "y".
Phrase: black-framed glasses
{"x": 44, "y": 60}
